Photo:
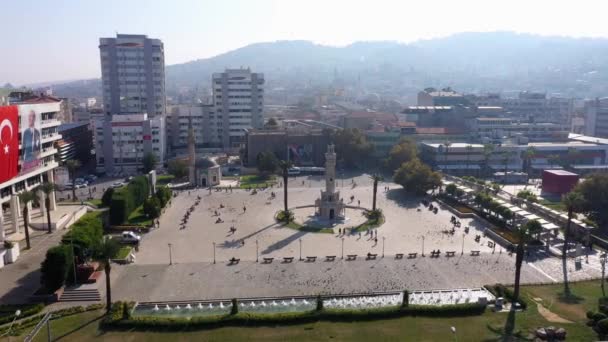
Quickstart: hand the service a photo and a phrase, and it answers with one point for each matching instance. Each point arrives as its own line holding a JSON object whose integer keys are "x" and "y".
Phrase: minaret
{"x": 330, "y": 170}
{"x": 191, "y": 154}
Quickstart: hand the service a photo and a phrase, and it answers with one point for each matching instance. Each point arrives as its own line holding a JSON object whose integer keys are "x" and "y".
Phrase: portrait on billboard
{"x": 300, "y": 154}
{"x": 30, "y": 137}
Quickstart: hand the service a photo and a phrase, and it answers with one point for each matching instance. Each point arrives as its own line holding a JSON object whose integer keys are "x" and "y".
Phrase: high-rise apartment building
{"x": 133, "y": 75}
{"x": 596, "y": 117}
{"x": 238, "y": 97}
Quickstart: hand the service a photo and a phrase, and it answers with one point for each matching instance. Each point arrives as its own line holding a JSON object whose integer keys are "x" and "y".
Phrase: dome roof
{"x": 205, "y": 163}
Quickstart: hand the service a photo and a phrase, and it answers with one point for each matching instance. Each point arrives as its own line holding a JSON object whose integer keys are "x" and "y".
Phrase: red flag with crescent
{"x": 9, "y": 142}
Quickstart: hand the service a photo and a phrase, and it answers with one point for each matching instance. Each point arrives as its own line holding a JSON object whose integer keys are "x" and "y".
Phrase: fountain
{"x": 167, "y": 307}
{"x": 189, "y": 307}
{"x": 156, "y": 307}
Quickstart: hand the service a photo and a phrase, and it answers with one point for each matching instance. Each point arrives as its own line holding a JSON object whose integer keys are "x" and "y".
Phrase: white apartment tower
{"x": 238, "y": 97}
{"x": 133, "y": 75}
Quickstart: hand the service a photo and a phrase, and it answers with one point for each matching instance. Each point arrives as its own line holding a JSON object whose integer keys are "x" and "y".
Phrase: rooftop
{"x": 588, "y": 139}
{"x": 561, "y": 172}
{"x": 41, "y": 99}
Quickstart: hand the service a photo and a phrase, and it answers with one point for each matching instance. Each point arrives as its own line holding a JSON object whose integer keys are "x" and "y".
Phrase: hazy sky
{"x": 47, "y": 40}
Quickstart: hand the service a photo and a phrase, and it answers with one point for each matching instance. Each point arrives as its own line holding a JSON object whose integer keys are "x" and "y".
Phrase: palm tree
{"x": 488, "y": 149}
{"x": 47, "y": 188}
{"x": 445, "y": 156}
{"x": 573, "y": 201}
{"x": 376, "y": 178}
{"x": 105, "y": 250}
{"x": 524, "y": 233}
{"x": 285, "y": 165}
{"x": 26, "y": 197}
{"x": 528, "y": 154}
{"x": 73, "y": 165}
{"x": 469, "y": 149}
{"x": 506, "y": 158}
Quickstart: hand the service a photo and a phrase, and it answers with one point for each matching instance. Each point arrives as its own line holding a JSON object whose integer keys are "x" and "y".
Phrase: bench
{"x": 412, "y": 255}
{"x": 351, "y": 256}
{"x": 287, "y": 259}
{"x": 474, "y": 253}
{"x": 234, "y": 261}
{"x": 435, "y": 254}
{"x": 399, "y": 256}
{"x": 311, "y": 258}
{"x": 330, "y": 258}
{"x": 371, "y": 256}
{"x": 268, "y": 260}
{"x": 450, "y": 254}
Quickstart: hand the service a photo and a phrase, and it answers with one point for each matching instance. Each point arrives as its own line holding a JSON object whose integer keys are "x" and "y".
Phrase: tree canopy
{"x": 267, "y": 162}
{"x": 403, "y": 152}
{"x": 594, "y": 191}
{"x": 149, "y": 162}
{"x": 417, "y": 177}
{"x": 178, "y": 168}
{"x": 352, "y": 147}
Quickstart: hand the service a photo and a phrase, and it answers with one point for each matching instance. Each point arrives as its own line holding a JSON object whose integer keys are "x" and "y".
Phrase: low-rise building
{"x": 76, "y": 143}
{"x": 122, "y": 141}
{"x": 301, "y": 148}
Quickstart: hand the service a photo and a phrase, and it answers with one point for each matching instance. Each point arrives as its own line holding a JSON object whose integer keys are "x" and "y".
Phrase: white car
{"x": 117, "y": 184}
{"x": 130, "y": 237}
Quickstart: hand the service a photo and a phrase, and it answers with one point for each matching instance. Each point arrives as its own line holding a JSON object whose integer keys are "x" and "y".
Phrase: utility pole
{"x": 170, "y": 255}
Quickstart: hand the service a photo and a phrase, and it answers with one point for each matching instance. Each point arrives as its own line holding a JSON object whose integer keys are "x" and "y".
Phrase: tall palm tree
{"x": 528, "y": 154}
{"x": 47, "y": 188}
{"x": 506, "y": 157}
{"x": 285, "y": 165}
{"x": 105, "y": 250}
{"x": 573, "y": 201}
{"x": 488, "y": 149}
{"x": 73, "y": 165}
{"x": 446, "y": 144}
{"x": 376, "y": 178}
{"x": 524, "y": 233}
{"x": 26, "y": 197}
{"x": 469, "y": 149}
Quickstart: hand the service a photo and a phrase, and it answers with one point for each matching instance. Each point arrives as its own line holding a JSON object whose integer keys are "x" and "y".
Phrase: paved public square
{"x": 193, "y": 274}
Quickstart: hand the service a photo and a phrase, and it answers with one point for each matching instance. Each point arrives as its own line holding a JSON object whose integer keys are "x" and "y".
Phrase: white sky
{"x": 57, "y": 39}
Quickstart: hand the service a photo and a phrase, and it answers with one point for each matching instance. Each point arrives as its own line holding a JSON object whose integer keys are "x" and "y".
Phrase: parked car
{"x": 90, "y": 178}
{"x": 130, "y": 237}
{"x": 117, "y": 184}
{"x": 66, "y": 187}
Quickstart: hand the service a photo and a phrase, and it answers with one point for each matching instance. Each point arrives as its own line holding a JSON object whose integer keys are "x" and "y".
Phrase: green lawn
{"x": 138, "y": 218}
{"x": 257, "y": 181}
{"x": 96, "y": 202}
{"x": 164, "y": 179}
{"x": 123, "y": 252}
{"x": 369, "y": 224}
{"x": 85, "y": 327}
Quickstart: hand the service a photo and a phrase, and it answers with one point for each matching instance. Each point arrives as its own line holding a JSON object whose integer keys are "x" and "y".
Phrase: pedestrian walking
{"x": 359, "y": 202}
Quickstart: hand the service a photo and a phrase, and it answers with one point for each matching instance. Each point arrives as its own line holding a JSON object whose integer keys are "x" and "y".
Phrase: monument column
{"x": 330, "y": 170}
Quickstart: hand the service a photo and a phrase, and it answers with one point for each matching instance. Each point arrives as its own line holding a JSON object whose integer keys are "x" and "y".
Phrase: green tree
{"x": 47, "y": 188}
{"x": 106, "y": 199}
{"x": 149, "y": 162}
{"x": 272, "y": 123}
{"x": 267, "y": 162}
{"x": 285, "y": 165}
{"x": 573, "y": 201}
{"x": 450, "y": 189}
{"x": 403, "y": 152}
{"x": 524, "y": 233}
{"x": 73, "y": 165}
{"x": 595, "y": 193}
{"x": 527, "y": 156}
{"x": 56, "y": 266}
{"x": 26, "y": 197}
{"x": 105, "y": 250}
{"x": 417, "y": 177}
{"x": 151, "y": 207}
{"x": 376, "y": 179}
{"x": 178, "y": 168}
{"x": 352, "y": 147}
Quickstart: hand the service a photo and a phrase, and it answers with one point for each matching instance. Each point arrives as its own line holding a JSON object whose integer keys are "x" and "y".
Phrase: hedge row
{"x": 499, "y": 290}
{"x": 126, "y": 199}
{"x": 120, "y": 317}
{"x": 19, "y": 327}
{"x": 7, "y": 312}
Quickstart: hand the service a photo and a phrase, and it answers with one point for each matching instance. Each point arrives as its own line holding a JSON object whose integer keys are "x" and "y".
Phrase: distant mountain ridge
{"x": 493, "y": 61}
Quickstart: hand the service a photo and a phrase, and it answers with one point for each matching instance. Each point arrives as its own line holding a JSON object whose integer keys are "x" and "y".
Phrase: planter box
{"x": 12, "y": 254}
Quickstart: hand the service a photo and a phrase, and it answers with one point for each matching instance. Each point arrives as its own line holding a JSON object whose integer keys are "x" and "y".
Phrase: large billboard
{"x": 31, "y": 136}
{"x": 9, "y": 142}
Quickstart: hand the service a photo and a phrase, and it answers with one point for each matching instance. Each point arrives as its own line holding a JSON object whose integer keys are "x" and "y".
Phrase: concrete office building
{"x": 133, "y": 75}
{"x": 596, "y": 117}
{"x": 34, "y": 167}
{"x": 178, "y": 120}
{"x": 238, "y": 97}
{"x": 122, "y": 141}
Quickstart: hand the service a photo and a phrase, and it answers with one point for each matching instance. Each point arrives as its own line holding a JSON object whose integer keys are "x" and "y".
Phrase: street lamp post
{"x": 256, "y": 251}
{"x": 453, "y": 329}
{"x": 603, "y": 262}
{"x": 17, "y": 314}
{"x": 300, "y": 240}
{"x": 462, "y": 250}
{"x": 342, "y": 248}
{"x": 383, "y": 239}
{"x": 170, "y": 254}
{"x": 73, "y": 260}
{"x": 422, "y": 245}
{"x": 214, "y": 252}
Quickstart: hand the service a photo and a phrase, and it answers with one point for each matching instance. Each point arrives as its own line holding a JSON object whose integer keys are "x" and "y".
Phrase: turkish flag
{"x": 9, "y": 142}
